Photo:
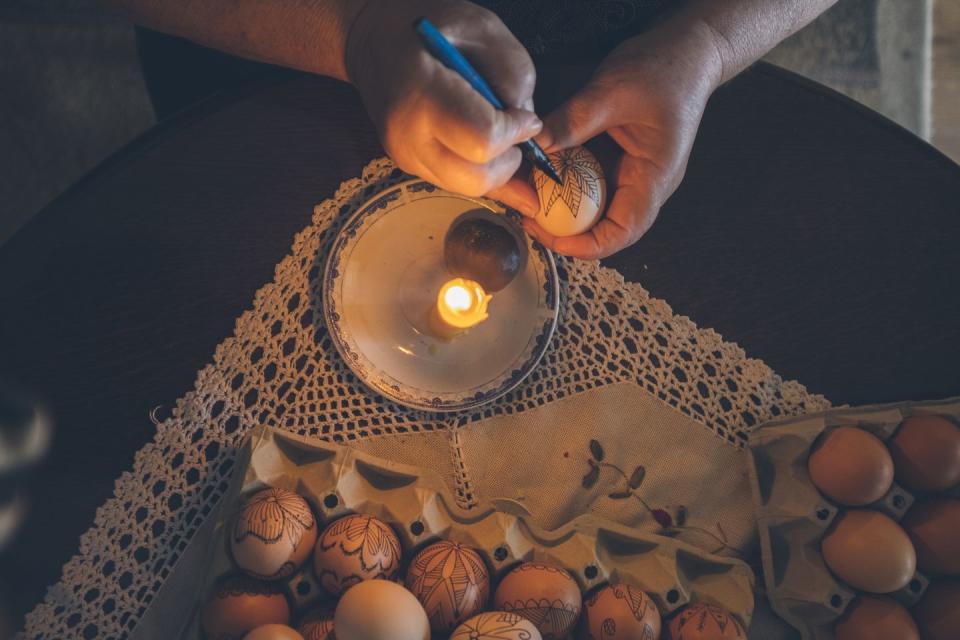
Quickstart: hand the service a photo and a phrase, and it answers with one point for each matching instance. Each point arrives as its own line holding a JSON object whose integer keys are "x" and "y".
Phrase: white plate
{"x": 381, "y": 281}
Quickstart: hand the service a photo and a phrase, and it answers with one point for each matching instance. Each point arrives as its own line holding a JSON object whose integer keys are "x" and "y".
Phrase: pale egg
{"x": 380, "y": 610}
{"x": 701, "y": 621}
{"x": 876, "y": 618}
{"x": 934, "y": 529}
{"x": 355, "y": 548}
{"x": 576, "y": 205}
{"x": 869, "y": 551}
{"x": 621, "y": 612}
{"x": 451, "y": 582}
{"x": 545, "y": 595}
{"x": 926, "y": 453}
{"x": 851, "y": 466}
{"x": 938, "y": 612}
{"x": 238, "y": 604}
{"x": 273, "y": 534}
{"x": 317, "y": 625}
{"x": 273, "y": 632}
{"x": 496, "y": 625}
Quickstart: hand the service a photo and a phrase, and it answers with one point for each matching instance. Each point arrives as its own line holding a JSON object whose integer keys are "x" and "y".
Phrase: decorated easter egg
{"x": 238, "y": 604}
{"x": 926, "y": 453}
{"x": 451, "y": 582}
{"x": 355, "y": 548}
{"x": 496, "y": 625}
{"x": 938, "y": 612}
{"x": 380, "y": 610}
{"x": 481, "y": 248}
{"x": 273, "y": 534}
{"x": 875, "y": 618}
{"x": 273, "y": 632}
{"x": 317, "y": 625}
{"x": 546, "y": 596}
{"x": 851, "y": 465}
{"x": 576, "y": 205}
{"x": 701, "y": 621}
{"x": 869, "y": 551}
{"x": 934, "y": 528}
{"x": 621, "y": 612}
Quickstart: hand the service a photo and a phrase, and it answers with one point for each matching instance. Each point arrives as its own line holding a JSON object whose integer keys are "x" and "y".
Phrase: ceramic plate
{"x": 381, "y": 281}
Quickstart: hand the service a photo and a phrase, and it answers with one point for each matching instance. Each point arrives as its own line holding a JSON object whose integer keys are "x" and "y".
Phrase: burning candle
{"x": 461, "y": 304}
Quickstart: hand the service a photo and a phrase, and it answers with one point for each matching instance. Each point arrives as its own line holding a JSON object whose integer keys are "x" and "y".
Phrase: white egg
{"x": 380, "y": 610}
{"x": 576, "y": 205}
{"x": 273, "y": 632}
{"x": 273, "y": 535}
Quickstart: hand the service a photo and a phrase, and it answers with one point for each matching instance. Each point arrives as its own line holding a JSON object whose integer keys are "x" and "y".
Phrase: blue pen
{"x": 441, "y": 49}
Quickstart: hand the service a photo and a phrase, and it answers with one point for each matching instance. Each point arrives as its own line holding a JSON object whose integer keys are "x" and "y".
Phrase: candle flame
{"x": 461, "y": 304}
{"x": 458, "y": 298}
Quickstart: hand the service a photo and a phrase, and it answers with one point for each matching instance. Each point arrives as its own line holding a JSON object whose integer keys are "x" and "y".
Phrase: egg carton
{"x": 415, "y": 502}
{"x": 792, "y": 514}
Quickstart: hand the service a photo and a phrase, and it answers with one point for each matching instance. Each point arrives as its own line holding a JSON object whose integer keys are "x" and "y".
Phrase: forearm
{"x": 309, "y": 35}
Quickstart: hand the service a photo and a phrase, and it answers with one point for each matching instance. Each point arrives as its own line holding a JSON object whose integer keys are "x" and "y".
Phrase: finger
{"x": 539, "y": 234}
{"x": 630, "y": 215}
{"x": 462, "y": 176}
{"x": 585, "y": 115}
{"x": 501, "y": 59}
{"x": 470, "y": 126}
{"x": 518, "y": 194}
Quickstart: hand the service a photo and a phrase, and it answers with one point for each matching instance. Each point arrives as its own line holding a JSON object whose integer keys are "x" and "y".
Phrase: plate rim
{"x": 334, "y": 326}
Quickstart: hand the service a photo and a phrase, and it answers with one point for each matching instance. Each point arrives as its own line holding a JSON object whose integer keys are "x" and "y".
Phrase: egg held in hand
{"x": 451, "y": 582}
{"x": 573, "y": 207}
{"x": 702, "y": 621}
{"x": 621, "y": 612}
{"x": 851, "y": 466}
{"x": 273, "y": 534}
{"x": 869, "y": 551}
{"x": 481, "y": 248}
{"x": 545, "y": 595}
{"x": 355, "y": 548}
{"x": 380, "y": 610}
{"x": 875, "y": 618}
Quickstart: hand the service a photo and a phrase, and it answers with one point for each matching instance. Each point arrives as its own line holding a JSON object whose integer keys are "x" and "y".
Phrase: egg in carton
{"x": 338, "y": 481}
{"x": 793, "y": 516}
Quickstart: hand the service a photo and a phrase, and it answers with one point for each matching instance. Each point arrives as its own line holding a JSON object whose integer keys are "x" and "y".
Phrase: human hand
{"x": 431, "y": 122}
{"x": 648, "y": 95}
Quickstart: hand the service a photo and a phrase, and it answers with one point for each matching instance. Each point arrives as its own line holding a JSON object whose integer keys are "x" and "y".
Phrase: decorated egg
{"x": 355, "y": 548}
{"x": 869, "y": 551}
{"x": 701, "y": 621}
{"x": 938, "y": 612}
{"x": 380, "y": 610}
{"x": 576, "y": 205}
{"x": 451, "y": 582}
{"x": 621, "y": 612}
{"x": 926, "y": 453}
{"x": 876, "y": 618}
{"x": 496, "y": 625}
{"x": 934, "y": 529}
{"x": 238, "y": 604}
{"x": 481, "y": 248}
{"x": 317, "y": 625}
{"x": 273, "y": 632}
{"x": 546, "y": 596}
{"x": 273, "y": 535}
{"x": 851, "y": 466}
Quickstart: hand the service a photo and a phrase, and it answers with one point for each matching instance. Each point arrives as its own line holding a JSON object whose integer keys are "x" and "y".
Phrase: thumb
{"x": 585, "y": 115}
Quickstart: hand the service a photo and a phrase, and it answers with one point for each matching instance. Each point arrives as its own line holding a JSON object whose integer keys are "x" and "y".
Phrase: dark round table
{"x": 816, "y": 234}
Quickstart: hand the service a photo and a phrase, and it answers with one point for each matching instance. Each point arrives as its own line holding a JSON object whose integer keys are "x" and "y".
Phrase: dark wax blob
{"x": 480, "y": 249}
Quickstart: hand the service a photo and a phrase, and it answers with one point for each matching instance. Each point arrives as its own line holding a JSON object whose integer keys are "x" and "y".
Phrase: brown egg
{"x": 238, "y": 604}
{"x": 355, "y": 548}
{"x": 869, "y": 551}
{"x": 273, "y": 535}
{"x": 496, "y": 625}
{"x": 546, "y": 596}
{"x": 621, "y": 612}
{"x": 451, "y": 582}
{"x": 876, "y": 618}
{"x": 701, "y": 621}
{"x": 481, "y": 248}
{"x": 926, "y": 453}
{"x": 317, "y": 625}
{"x": 934, "y": 528}
{"x": 851, "y": 466}
{"x": 938, "y": 612}
{"x": 273, "y": 632}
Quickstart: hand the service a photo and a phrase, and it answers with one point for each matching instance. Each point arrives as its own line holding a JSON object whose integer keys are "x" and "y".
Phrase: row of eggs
{"x": 875, "y": 554}
{"x": 446, "y": 590}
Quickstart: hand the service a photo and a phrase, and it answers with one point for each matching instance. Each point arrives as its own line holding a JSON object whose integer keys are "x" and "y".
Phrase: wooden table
{"x": 816, "y": 234}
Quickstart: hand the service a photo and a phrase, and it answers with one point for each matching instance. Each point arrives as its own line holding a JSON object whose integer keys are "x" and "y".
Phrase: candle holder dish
{"x": 380, "y": 287}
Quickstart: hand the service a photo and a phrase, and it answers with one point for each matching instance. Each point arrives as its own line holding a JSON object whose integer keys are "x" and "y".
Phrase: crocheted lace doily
{"x": 280, "y": 369}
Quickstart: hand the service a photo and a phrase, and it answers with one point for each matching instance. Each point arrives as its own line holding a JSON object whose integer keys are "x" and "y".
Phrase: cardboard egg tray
{"x": 792, "y": 515}
{"x": 337, "y": 481}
